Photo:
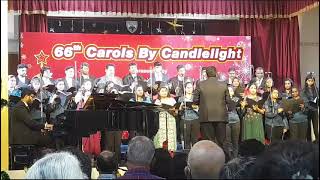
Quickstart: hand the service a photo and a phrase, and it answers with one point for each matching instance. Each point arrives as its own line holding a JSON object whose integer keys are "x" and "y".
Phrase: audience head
{"x": 205, "y": 160}
{"x": 85, "y": 161}
{"x": 237, "y": 168}
{"x": 45, "y": 151}
{"x": 62, "y": 165}
{"x": 140, "y": 152}
{"x": 288, "y": 160}
{"x": 107, "y": 162}
{"x": 161, "y": 163}
{"x": 211, "y": 71}
{"x": 250, "y": 147}
{"x": 179, "y": 163}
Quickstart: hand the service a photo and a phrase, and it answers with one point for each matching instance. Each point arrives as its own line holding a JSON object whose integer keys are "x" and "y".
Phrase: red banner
{"x": 58, "y": 51}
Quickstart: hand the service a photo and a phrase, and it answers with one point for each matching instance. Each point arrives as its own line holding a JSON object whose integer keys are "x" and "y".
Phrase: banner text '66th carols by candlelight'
{"x": 146, "y": 53}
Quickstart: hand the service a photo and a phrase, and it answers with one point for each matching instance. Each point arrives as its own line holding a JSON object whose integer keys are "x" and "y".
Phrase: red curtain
{"x": 275, "y": 46}
{"x": 33, "y": 23}
{"x": 230, "y": 8}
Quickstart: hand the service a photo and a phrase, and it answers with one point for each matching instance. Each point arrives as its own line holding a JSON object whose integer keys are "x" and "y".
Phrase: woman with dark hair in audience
{"x": 161, "y": 164}
{"x": 298, "y": 117}
{"x": 287, "y": 93}
{"x": 251, "y": 109}
{"x": 275, "y": 121}
{"x": 237, "y": 168}
{"x": 311, "y": 93}
{"x": 287, "y": 160}
{"x": 167, "y": 134}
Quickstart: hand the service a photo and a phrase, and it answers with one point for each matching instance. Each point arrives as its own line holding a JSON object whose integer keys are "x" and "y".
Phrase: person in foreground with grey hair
{"x": 62, "y": 165}
{"x": 205, "y": 160}
{"x": 139, "y": 156}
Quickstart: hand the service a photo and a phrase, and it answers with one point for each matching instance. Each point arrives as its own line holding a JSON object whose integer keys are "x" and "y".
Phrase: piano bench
{"x": 21, "y": 156}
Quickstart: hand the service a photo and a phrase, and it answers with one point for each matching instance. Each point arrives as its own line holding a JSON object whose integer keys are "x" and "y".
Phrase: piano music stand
{"x": 99, "y": 101}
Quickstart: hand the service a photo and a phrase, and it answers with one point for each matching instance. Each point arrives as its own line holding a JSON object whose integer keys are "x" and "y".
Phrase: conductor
{"x": 211, "y": 96}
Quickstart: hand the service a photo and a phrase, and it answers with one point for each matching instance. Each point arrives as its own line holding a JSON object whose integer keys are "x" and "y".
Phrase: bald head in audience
{"x": 205, "y": 160}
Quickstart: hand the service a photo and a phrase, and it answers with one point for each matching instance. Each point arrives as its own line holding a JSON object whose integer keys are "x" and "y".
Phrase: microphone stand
{"x": 76, "y": 74}
{"x": 200, "y": 73}
{"x": 273, "y": 111}
{"x": 151, "y": 95}
{"x": 80, "y": 78}
{"x": 315, "y": 86}
{"x": 182, "y": 134}
{"x": 41, "y": 96}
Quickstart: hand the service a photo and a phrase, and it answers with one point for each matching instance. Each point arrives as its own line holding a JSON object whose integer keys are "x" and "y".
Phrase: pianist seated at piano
{"x": 166, "y": 136}
{"x": 91, "y": 144}
{"x": 140, "y": 95}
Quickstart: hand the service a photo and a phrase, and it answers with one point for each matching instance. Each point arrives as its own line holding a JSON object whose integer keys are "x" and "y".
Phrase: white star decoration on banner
{"x": 188, "y": 67}
{"x": 159, "y": 30}
{"x": 187, "y": 38}
{"x": 23, "y": 57}
{"x": 21, "y": 45}
{"x": 21, "y": 36}
{"x": 243, "y": 70}
{"x": 222, "y": 76}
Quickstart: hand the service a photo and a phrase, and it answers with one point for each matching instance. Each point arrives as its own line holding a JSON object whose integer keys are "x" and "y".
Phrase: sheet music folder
{"x": 105, "y": 101}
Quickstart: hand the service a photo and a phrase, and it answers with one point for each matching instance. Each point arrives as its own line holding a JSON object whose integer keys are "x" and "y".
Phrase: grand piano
{"x": 112, "y": 113}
